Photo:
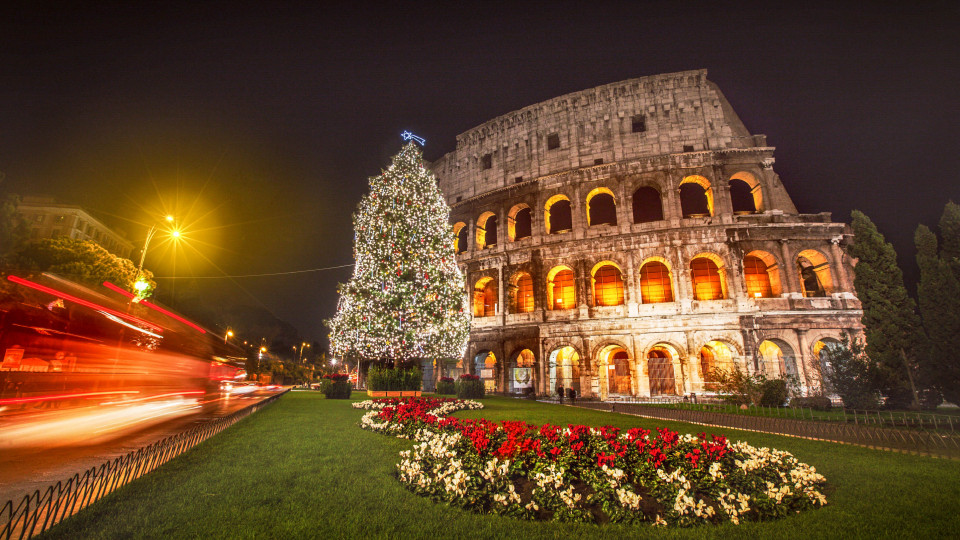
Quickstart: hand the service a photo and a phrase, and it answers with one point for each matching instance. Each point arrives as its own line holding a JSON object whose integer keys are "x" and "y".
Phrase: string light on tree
{"x": 405, "y": 301}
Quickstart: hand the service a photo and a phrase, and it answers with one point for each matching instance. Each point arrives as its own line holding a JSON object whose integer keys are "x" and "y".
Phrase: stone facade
{"x": 630, "y": 239}
{"x": 49, "y": 219}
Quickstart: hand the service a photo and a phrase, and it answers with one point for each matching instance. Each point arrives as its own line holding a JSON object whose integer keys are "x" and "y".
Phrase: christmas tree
{"x": 405, "y": 301}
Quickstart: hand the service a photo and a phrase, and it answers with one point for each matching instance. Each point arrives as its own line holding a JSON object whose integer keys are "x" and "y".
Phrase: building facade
{"x": 631, "y": 239}
{"x": 49, "y": 219}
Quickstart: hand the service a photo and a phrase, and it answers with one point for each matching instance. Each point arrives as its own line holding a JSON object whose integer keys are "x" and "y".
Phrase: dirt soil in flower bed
{"x": 586, "y": 474}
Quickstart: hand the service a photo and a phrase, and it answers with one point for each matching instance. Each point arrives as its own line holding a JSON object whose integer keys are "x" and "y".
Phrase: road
{"x": 38, "y": 451}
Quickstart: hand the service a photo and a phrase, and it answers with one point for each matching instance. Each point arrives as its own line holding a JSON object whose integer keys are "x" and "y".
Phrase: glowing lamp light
{"x": 141, "y": 285}
{"x": 757, "y": 295}
{"x": 169, "y": 219}
{"x": 175, "y": 233}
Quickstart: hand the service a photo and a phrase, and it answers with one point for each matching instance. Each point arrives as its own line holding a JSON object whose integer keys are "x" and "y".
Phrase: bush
{"x": 386, "y": 378}
{"x": 773, "y": 393}
{"x": 445, "y": 386}
{"x": 818, "y": 403}
{"x": 469, "y": 387}
{"x": 337, "y": 386}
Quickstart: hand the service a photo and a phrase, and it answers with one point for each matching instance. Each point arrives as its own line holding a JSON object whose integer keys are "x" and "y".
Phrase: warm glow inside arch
{"x": 601, "y": 207}
{"x": 460, "y": 237}
{"x": 715, "y": 356}
{"x": 615, "y": 366}
{"x": 778, "y": 358}
{"x": 557, "y": 215}
{"x": 565, "y": 369}
{"x": 761, "y": 274}
{"x": 521, "y": 297}
{"x": 560, "y": 289}
{"x": 815, "y": 276}
{"x": 607, "y": 284}
{"x": 655, "y": 282}
{"x": 660, "y": 370}
{"x": 519, "y": 222}
{"x": 696, "y": 202}
{"x": 754, "y": 193}
{"x": 486, "y": 230}
{"x": 706, "y": 275}
{"x": 485, "y": 297}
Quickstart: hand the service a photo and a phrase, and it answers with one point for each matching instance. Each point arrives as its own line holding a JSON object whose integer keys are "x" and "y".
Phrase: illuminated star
{"x": 410, "y": 136}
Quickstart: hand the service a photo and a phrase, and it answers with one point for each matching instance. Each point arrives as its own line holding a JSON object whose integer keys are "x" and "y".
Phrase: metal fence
{"x": 38, "y": 512}
{"x": 940, "y": 443}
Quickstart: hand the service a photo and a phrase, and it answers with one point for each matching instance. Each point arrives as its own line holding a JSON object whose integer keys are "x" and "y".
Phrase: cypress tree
{"x": 950, "y": 233}
{"x": 891, "y": 324}
{"x": 939, "y": 297}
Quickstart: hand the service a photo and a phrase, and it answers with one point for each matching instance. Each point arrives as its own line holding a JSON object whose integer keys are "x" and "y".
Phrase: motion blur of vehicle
{"x": 93, "y": 361}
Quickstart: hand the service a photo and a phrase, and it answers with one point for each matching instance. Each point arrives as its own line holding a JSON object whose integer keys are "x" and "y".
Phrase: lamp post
{"x": 302, "y": 345}
{"x": 228, "y": 335}
{"x": 143, "y": 253}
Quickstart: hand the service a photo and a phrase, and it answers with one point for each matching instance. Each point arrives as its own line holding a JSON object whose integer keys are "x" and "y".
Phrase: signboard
{"x": 486, "y": 373}
{"x": 522, "y": 377}
{"x": 12, "y": 358}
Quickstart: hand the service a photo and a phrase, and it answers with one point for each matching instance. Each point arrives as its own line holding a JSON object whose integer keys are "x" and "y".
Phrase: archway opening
{"x": 815, "y": 277}
{"x": 715, "y": 357}
{"x": 519, "y": 222}
{"x": 558, "y": 215}
{"x": 486, "y": 365}
{"x": 560, "y": 290}
{"x": 486, "y": 230}
{"x": 460, "y": 237}
{"x": 521, "y": 300}
{"x": 647, "y": 205}
{"x": 601, "y": 208}
{"x": 485, "y": 298}
{"x": 660, "y": 372}
{"x": 778, "y": 359}
{"x": 607, "y": 286}
{"x": 741, "y": 195}
{"x": 696, "y": 197}
{"x": 617, "y": 364}
{"x": 825, "y": 351}
{"x": 706, "y": 278}
{"x": 565, "y": 369}
{"x": 523, "y": 375}
{"x": 655, "y": 283}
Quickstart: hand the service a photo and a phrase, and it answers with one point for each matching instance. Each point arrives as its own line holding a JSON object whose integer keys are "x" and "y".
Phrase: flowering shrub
{"x": 469, "y": 387}
{"x": 445, "y": 386}
{"x": 586, "y": 474}
{"x": 337, "y": 386}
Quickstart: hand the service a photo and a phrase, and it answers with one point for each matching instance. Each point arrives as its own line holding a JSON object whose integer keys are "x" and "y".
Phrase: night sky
{"x": 258, "y": 124}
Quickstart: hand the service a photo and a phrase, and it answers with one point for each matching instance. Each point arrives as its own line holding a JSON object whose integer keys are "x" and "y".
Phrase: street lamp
{"x": 228, "y": 335}
{"x": 142, "y": 285}
{"x": 302, "y": 345}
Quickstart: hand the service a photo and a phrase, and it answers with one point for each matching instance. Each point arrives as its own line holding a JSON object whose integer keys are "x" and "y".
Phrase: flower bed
{"x": 585, "y": 474}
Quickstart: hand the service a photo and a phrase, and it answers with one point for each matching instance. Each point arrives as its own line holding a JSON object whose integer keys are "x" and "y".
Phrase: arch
{"x": 523, "y": 373}
{"x": 614, "y": 362}
{"x": 521, "y": 293}
{"x": 696, "y": 197}
{"x": 459, "y": 237}
{"x": 607, "y": 281}
{"x": 485, "y": 297}
{"x": 778, "y": 358}
{"x": 601, "y": 207}
{"x": 557, "y": 216}
{"x": 824, "y": 351}
{"x": 564, "y": 369}
{"x": 519, "y": 222}
{"x": 656, "y": 284}
{"x": 762, "y": 275}
{"x": 715, "y": 356}
{"x": 660, "y": 370}
{"x": 560, "y": 288}
{"x": 486, "y": 230}
{"x": 647, "y": 205}
{"x": 815, "y": 276}
{"x": 485, "y": 363}
{"x": 707, "y": 277}
{"x": 753, "y": 199}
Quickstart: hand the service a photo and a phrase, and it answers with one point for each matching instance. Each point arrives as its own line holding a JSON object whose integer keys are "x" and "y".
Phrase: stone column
{"x": 789, "y": 281}
{"x": 842, "y": 278}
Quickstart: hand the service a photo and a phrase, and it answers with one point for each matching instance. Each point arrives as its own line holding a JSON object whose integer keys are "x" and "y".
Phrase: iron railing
{"x": 38, "y": 512}
{"x": 941, "y": 443}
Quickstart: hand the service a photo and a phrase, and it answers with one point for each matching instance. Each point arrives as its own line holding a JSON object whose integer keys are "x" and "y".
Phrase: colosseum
{"x": 628, "y": 240}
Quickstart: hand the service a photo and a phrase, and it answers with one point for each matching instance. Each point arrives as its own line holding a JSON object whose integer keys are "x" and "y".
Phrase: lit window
{"x": 608, "y": 286}
{"x": 706, "y": 279}
{"x": 757, "y": 279}
{"x": 562, "y": 288}
{"x": 524, "y": 302}
{"x": 655, "y": 284}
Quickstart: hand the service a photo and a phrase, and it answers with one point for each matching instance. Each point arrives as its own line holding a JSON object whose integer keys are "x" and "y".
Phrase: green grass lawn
{"x": 302, "y": 468}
